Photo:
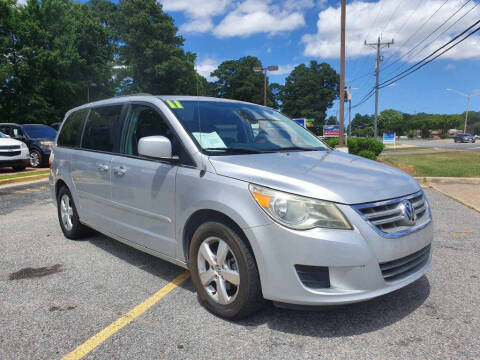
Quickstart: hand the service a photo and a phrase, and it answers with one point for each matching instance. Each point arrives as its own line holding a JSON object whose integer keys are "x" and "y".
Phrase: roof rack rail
{"x": 136, "y": 94}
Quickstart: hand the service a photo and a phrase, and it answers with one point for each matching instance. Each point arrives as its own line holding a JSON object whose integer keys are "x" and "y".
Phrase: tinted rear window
{"x": 102, "y": 128}
{"x": 39, "y": 131}
{"x": 72, "y": 129}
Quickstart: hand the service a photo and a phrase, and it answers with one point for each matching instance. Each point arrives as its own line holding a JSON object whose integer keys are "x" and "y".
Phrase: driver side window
{"x": 144, "y": 121}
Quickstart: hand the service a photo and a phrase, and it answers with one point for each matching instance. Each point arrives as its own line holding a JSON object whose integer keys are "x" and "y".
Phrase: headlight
{"x": 23, "y": 145}
{"x": 298, "y": 212}
{"x": 46, "y": 143}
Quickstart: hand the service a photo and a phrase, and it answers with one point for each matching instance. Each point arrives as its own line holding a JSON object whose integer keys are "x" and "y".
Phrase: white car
{"x": 13, "y": 153}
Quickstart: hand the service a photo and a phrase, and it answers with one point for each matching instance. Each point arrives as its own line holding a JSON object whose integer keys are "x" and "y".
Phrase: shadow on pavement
{"x": 346, "y": 320}
{"x": 329, "y": 321}
{"x": 151, "y": 264}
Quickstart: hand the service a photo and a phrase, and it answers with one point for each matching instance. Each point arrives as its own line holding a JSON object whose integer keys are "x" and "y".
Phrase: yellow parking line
{"x": 138, "y": 310}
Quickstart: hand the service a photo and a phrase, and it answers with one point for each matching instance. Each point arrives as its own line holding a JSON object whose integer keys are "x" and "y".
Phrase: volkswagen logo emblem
{"x": 408, "y": 213}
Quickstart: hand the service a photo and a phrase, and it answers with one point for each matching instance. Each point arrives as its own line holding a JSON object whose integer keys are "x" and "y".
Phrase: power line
{"x": 420, "y": 64}
{"x": 426, "y": 37}
{"x": 436, "y": 51}
{"x": 392, "y": 80}
{"x": 443, "y": 32}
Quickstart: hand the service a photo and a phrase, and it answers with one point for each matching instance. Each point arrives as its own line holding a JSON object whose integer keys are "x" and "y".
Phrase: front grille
{"x": 9, "y": 147}
{"x": 10, "y": 153}
{"x": 401, "y": 268}
{"x": 388, "y": 216}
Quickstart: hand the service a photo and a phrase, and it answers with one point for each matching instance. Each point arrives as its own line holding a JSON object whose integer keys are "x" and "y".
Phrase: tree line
{"x": 404, "y": 124}
{"x": 57, "y": 54}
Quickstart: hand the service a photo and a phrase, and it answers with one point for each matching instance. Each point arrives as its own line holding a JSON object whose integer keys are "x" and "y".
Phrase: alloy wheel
{"x": 66, "y": 212}
{"x": 34, "y": 159}
{"x": 218, "y": 270}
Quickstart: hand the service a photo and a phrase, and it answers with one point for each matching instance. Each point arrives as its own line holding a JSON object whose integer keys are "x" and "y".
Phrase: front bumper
{"x": 353, "y": 259}
{"x": 22, "y": 159}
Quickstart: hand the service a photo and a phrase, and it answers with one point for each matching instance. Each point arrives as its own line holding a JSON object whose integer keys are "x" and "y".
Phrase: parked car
{"x": 13, "y": 153}
{"x": 254, "y": 205}
{"x": 39, "y": 139}
{"x": 464, "y": 138}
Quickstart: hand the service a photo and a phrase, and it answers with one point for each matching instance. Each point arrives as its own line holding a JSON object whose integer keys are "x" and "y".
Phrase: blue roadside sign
{"x": 301, "y": 121}
{"x": 331, "y": 130}
{"x": 389, "y": 138}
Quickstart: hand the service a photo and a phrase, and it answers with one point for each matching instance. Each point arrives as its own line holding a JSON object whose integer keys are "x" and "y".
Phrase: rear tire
{"x": 237, "y": 265}
{"x": 71, "y": 226}
{"x": 36, "y": 159}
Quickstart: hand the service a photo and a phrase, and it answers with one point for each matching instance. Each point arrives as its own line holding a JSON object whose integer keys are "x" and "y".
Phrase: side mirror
{"x": 158, "y": 147}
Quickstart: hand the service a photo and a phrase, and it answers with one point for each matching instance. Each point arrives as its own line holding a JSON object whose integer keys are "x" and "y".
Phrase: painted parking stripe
{"x": 124, "y": 320}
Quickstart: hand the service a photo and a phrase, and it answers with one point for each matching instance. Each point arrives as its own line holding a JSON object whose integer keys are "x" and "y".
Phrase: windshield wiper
{"x": 296, "y": 148}
{"x": 235, "y": 150}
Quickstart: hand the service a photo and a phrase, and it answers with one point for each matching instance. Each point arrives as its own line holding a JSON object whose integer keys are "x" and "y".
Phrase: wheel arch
{"x": 203, "y": 215}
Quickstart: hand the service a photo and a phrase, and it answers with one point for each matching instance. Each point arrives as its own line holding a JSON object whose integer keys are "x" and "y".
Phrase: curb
{"x": 473, "y": 207}
{"x": 24, "y": 179}
{"x": 428, "y": 181}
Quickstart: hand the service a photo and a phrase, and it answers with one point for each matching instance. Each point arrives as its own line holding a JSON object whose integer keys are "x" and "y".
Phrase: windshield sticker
{"x": 209, "y": 140}
{"x": 178, "y": 103}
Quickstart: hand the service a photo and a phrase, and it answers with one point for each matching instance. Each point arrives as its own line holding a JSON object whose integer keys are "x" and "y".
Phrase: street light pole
{"x": 468, "y": 96}
{"x": 342, "y": 72}
{"x": 264, "y": 70}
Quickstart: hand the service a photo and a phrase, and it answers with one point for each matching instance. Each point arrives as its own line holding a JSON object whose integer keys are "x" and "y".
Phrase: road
{"x": 55, "y": 294}
{"x": 443, "y": 144}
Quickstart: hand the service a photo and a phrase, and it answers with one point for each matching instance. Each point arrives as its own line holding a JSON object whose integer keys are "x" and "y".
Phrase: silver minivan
{"x": 251, "y": 202}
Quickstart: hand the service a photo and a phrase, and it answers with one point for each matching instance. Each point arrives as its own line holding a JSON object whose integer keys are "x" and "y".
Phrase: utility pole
{"x": 264, "y": 70}
{"x": 468, "y": 96}
{"x": 349, "y": 99}
{"x": 379, "y": 45}
{"x": 342, "y": 72}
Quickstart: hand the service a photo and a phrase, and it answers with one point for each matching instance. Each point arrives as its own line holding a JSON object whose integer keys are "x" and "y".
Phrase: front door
{"x": 143, "y": 190}
{"x": 91, "y": 166}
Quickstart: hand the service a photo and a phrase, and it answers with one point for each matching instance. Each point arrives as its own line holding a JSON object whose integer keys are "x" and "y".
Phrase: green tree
{"x": 309, "y": 91}
{"x": 151, "y": 51}
{"x": 362, "y": 125}
{"x": 236, "y": 80}
{"x": 56, "y": 49}
{"x": 391, "y": 120}
{"x": 446, "y": 122}
{"x": 331, "y": 120}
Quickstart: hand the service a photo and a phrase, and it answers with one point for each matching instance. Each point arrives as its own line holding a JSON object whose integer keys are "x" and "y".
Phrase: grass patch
{"x": 26, "y": 174}
{"x": 407, "y": 148}
{"x": 448, "y": 164}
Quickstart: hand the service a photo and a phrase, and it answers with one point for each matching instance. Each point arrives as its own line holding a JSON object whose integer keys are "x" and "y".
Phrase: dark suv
{"x": 464, "y": 138}
{"x": 39, "y": 139}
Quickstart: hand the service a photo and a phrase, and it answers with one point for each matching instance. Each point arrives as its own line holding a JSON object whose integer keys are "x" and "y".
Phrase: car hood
{"x": 9, "y": 142}
{"x": 326, "y": 175}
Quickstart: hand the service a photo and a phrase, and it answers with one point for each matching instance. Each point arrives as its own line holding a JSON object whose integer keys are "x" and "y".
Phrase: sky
{"x": 290, "y": 32}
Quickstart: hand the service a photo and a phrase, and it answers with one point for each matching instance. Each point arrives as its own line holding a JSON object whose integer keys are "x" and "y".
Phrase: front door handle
{"x": 102, "y": 167}
{"x": 119, "y": 170}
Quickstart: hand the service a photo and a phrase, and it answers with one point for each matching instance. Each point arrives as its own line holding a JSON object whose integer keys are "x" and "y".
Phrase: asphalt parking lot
{"x": 55, "y": 294}
{"x": 443, "y": 144}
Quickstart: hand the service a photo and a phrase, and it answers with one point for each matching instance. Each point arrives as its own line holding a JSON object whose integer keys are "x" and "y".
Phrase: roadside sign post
{"x": 301, "y": 121}
{"x": 389, "y": 138}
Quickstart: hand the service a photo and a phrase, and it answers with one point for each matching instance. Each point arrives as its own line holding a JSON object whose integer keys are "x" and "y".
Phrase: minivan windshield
{"x": 231, "y": 128}
{"x": 39, "y": 131}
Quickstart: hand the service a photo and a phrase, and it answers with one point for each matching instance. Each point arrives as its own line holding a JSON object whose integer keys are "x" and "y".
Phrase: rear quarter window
{"x": 103, "y": 127}
{"x": 71, "y": 132}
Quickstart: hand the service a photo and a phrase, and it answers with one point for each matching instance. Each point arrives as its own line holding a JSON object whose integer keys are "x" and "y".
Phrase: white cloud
{"x": 262, "y": 16}
{"x": 240, "y": 17}
{"x": 283, "y": 69}
{"x": 449, "y": 67}
{"x": 206, "y": 66}
{"x": 198, "y": 12}
{"x": 393, "y": 21}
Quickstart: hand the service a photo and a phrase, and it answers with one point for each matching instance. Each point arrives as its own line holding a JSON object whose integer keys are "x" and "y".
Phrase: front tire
{"x": 224, "y": 272}
{"x": 71, "y": 226}
{"x": 36, "y": 159}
